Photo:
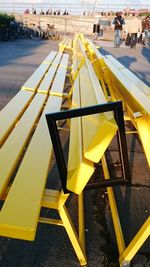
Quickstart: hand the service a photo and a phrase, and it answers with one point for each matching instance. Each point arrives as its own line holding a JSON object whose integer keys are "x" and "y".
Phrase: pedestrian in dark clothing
{"x": 118, "y": 21}
{"x": 134, "y": 28}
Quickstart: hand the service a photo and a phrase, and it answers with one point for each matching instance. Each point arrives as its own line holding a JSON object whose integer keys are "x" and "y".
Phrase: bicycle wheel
{"x": 57, "y": 37}
{"x": 36, "y": 34}
{"x": 51, "y": 36}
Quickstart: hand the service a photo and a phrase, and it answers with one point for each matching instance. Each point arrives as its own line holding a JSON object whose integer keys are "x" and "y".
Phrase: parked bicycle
{"x": 14, "y": 30}
{"x": 51, "y": 33}
{"x": 19, "y": 30}
{"x": 37, "y": 33}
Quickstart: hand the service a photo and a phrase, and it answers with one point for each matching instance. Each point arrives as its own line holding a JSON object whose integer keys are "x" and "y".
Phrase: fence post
{"x": 65, "y": 26}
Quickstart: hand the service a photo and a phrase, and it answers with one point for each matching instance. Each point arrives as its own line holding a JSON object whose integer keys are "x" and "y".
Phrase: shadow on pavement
{"x": 127, "y": 61}
{"x": 12, "y": 51}
{"x": 146, "y": 53}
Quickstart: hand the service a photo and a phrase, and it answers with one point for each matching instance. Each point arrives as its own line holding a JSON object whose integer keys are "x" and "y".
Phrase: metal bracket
{"x": 79, "y": 112}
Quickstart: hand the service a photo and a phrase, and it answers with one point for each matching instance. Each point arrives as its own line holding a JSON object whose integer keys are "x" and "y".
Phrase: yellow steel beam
{"x": 51, "y": 221}
{"x": 45, "y": 85}
{"x": 136, "y": 243}
{"x": 81, "y": 220}
{"x": 98, "y": 129}
{"x": 72, "y": 235}
{"x": 135, "y": 102}
{"x": 16, "y": 108}
{"x": 98, "y": 63}
{"x": 78, "y": 166}
{"x": 126, "y": 254}
{"x": 143, "y": 127}
{"x": 54, "y": 199}
{"x": 33, "y": 82}
{"x": 131, "y": 93}
{"x": 50, "y": 57}
{"x": 16, "y": 220}
{"x": 114, "y": 211}
{"x": 130, "y": 75}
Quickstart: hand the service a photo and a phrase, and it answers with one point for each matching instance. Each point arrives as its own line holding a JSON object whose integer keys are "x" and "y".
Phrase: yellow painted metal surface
{"x": 58, "y": 85}
{"x": 94, "y": 53}
{"x": 114, "y": 210}
{"x": 20, "y": 213}
{"x": 81, "y": 220}
{"x": 50, "y": 199}
{"x": 48, "y": 79}
{"x": 136, "y": 242}
{"x": 70, "y": 44}
{"x": 50, "y": 57}
{"x": 72, "y": 235}
{"x": 33, "y": 82}
{"x": 62, "y": 45}
{"x": 10, "y": 114}
{"x": 139, "y": 83}
{"x": 82, "y": 62}
{"x": 115, "y": 62}
{"x": 74, "y": 69}
{"x": 57, "y": 59}
{"x": 98, "y": 129}
{"x": 79, "y": 168}
{"x": 56, "y": 200}
{"x": 98, "y": 64}
{"x": 130, "y": 92}
{"x": 130, "y": 75}
{"x": 13, "y": 148}
{"x": 135, "y": 102}
{"x": 51, "y": 221}
{"x": 35, "y": 79}
{"x": 143, "y": 126}
{"x": 66, "y": 44}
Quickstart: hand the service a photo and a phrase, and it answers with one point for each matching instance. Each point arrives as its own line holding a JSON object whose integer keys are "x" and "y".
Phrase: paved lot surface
{"x": 52, "y": 248}
{"x": 18, "y": 60}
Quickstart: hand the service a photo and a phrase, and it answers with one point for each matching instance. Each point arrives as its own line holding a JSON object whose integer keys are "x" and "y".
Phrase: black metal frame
{"x": 79, "y": 112}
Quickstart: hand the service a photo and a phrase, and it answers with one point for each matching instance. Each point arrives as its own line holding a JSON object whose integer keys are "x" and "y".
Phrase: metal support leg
{"x": 67, "y": 222}
{"x": 81, "y": 221}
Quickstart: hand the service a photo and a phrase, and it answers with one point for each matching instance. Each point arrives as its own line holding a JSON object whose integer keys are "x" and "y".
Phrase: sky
{"x": 72, "y": 4}
{"x": 131, "y": 2}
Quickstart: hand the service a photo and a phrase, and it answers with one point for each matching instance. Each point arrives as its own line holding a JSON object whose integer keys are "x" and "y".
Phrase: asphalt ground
{"x": 52, "y": 247}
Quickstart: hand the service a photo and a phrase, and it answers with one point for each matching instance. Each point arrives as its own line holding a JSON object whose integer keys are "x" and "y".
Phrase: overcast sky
{"x": 143, "y": 2}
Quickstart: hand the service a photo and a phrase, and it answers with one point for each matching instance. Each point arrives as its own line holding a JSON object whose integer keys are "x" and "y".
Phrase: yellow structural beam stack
{"x": 123, "y": 85}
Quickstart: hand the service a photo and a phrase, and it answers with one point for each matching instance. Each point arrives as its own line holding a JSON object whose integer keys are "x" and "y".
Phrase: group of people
{"x": 56, "y": 12}
{"x": 48, "y": 12}
{"x": 133, "y": 30}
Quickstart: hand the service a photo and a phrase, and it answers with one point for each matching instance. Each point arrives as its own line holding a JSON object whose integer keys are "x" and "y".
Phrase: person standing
{"x": 118, "y": 21}
{"x": 146, "y": 31}
{"x": 134, "y": 28}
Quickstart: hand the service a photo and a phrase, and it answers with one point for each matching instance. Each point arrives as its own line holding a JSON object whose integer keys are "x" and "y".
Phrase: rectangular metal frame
{"x": 116, "y": 107}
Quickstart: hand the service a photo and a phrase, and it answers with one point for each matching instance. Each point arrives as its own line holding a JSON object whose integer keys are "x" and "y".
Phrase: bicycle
{"x": 35, "y": 32}
{"x": 50, "y": 32}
